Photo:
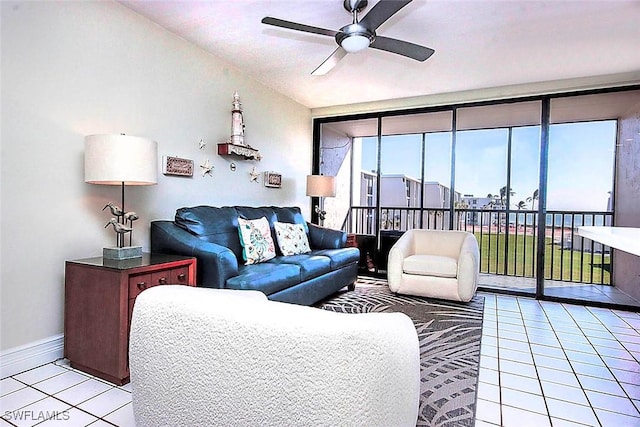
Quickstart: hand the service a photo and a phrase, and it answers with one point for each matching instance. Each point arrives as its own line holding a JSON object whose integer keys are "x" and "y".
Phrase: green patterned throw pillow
{"x": 255, "y": 237}
{"x": 292, "y": 238}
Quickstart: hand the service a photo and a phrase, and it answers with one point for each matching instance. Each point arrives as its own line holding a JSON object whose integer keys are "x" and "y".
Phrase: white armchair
{"x": 435, "y": 263}
{"x": 205, "y": 357}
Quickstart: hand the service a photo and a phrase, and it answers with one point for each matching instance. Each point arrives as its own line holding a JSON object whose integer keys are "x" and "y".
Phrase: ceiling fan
{"x": 360, "y": 34}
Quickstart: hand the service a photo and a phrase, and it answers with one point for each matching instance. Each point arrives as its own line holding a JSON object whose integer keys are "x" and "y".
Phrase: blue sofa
{"x": 210, "y": 234}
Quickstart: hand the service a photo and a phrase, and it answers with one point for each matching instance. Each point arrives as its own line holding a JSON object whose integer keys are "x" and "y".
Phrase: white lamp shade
{"x": 117, "y": 159}
{"x": 321, "y": 186}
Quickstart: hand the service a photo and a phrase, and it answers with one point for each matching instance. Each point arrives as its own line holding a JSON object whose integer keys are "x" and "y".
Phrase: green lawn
{"x": 568, "y": 265}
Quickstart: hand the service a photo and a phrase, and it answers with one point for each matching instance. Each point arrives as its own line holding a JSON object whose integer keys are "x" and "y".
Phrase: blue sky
{"x": 580, "y": 168}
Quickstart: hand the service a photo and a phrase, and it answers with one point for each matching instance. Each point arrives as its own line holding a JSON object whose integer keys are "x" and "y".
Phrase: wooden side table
{"x": 352, "y": 240}
{"x": 99, "y": 299}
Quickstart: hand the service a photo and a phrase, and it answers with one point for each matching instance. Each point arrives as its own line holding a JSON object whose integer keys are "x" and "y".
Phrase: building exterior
{"x": 401, "y": 200}
{"x": 402, "y": 191}
{"x": 472, "y": 203}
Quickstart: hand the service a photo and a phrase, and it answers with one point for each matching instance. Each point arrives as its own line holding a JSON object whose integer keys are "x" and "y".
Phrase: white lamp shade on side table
{"x": 118, "y": 159}
{"x": 321, "y": 186}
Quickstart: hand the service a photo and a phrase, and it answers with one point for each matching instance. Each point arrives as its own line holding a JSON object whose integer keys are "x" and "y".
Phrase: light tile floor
{"x": 542, "y": 364}
{"x": 550, "y": 364}
{"x": 56, "y": 394}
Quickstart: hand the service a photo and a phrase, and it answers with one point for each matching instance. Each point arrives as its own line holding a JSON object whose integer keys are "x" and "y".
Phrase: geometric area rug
{"x": 449, "y": 334}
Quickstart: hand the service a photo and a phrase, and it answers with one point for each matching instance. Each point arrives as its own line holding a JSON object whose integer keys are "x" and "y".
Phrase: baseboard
{"x": 29, "y": 356}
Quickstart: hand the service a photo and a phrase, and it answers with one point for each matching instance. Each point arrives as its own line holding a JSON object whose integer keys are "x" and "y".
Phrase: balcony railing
{"x": 508, "y": 240}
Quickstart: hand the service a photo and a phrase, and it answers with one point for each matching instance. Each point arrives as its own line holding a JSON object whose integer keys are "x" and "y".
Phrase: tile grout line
{"x": 71, "y": 406}
{"x": 618, "y": 382}
{"x": 535, "y": 366}
{"x": 498, "y": 360}
{"x": 575, "y": 374}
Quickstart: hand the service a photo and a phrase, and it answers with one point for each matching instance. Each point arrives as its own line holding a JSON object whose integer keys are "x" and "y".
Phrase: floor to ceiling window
{"x": 496, "y": 169}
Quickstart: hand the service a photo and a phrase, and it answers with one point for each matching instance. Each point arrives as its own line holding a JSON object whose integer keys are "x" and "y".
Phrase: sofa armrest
{"x": 398, "y": 252}
{"x": 216, "y": 263}
{"x": 468, "y": 267}
{"x": 326, "y": 238}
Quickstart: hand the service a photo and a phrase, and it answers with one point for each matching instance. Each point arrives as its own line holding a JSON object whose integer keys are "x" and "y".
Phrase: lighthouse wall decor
{"x": 236, "y": 145}
{"x": 237, "y": 121}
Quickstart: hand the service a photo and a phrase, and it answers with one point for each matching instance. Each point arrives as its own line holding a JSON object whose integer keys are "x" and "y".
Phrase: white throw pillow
{"x": 292, "y": 238}
{"x": 256, "y": 241}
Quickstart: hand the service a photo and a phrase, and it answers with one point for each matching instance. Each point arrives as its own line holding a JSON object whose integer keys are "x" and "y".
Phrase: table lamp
{"x": 120, "y": 160}
{"x": 321, "y": 186}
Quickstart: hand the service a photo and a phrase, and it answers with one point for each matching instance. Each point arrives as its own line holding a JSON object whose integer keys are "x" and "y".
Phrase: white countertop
{"x": 624, "y": 238}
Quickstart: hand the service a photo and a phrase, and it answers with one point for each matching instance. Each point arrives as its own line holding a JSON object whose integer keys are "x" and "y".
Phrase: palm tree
{"x": 533, "y": 199}
{"x": 503, "y": 195}
{"x": 521, "y": 205}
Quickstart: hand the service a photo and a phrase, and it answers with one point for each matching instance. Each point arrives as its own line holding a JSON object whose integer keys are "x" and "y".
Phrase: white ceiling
{"x": 478, "y": 44}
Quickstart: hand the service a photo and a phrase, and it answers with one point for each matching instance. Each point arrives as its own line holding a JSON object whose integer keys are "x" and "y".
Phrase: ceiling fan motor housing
{"x": 355, "y": 5}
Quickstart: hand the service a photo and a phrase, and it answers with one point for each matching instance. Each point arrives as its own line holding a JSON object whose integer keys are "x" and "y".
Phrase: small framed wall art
{"x": 272, "y": 179}
{"x": 177, "y": 166}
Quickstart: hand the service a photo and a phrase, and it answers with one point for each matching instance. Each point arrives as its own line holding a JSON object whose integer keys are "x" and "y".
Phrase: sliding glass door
{"x": 522, "y": 176}
{"x": 497, "y": 171}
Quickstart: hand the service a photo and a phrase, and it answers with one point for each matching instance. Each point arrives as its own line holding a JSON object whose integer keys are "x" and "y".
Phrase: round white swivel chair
{"x": 435, "y": 263}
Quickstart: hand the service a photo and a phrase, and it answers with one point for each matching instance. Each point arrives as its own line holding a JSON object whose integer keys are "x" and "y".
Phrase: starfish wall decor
{"x": 253, "y": 175}
{"x": 206, "y": 168}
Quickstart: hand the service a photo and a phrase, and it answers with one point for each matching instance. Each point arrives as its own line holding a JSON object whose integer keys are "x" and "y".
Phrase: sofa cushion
{"x": 267, "y": 212}
{"x": 339, "y": 257}
{"x": 430, "y": 265}
{"x": 265, "y": 277}
{"x": 292, "y": 215}
{"x": 255, "y": 238}
{"x": 310, "y": 265}
{"x": 212, "y": 224}
{"x": 292, "y": 238}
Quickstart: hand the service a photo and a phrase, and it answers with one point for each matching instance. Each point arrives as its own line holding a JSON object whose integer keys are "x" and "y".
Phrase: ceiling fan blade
{"x": 298, "y": 27}
{"x": 408, "y": 49}
{"x": 330, "y": 62}
{"x": 382, "y": 11}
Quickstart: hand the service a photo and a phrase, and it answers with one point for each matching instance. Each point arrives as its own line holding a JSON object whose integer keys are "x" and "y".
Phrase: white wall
{"x": 393, "y": 191}
{"x": 70, "y": 69}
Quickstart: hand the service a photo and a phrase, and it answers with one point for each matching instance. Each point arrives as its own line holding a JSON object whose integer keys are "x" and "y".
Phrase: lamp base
{"x": 127, "y": 252}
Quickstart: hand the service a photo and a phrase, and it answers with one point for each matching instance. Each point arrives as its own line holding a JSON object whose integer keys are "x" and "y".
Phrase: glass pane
{"x": 481, "y": 165}
{"x": 579, "y": 188}
{"x": 580, "y": 175}
{"x": 497, "y": 172}
{"x": 400, "y": 181}
{"x": 338, "y": 149}
{"x": 525, "y": 167}
{"x": 481, "y": 176}
{"x": 365, "y": 185}
{"x": 437, "y": 169}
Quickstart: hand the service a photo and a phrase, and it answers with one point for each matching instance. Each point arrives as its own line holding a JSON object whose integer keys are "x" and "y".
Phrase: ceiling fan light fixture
{"x": 355, "y": 43}
{"x": 360, "y": 34}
